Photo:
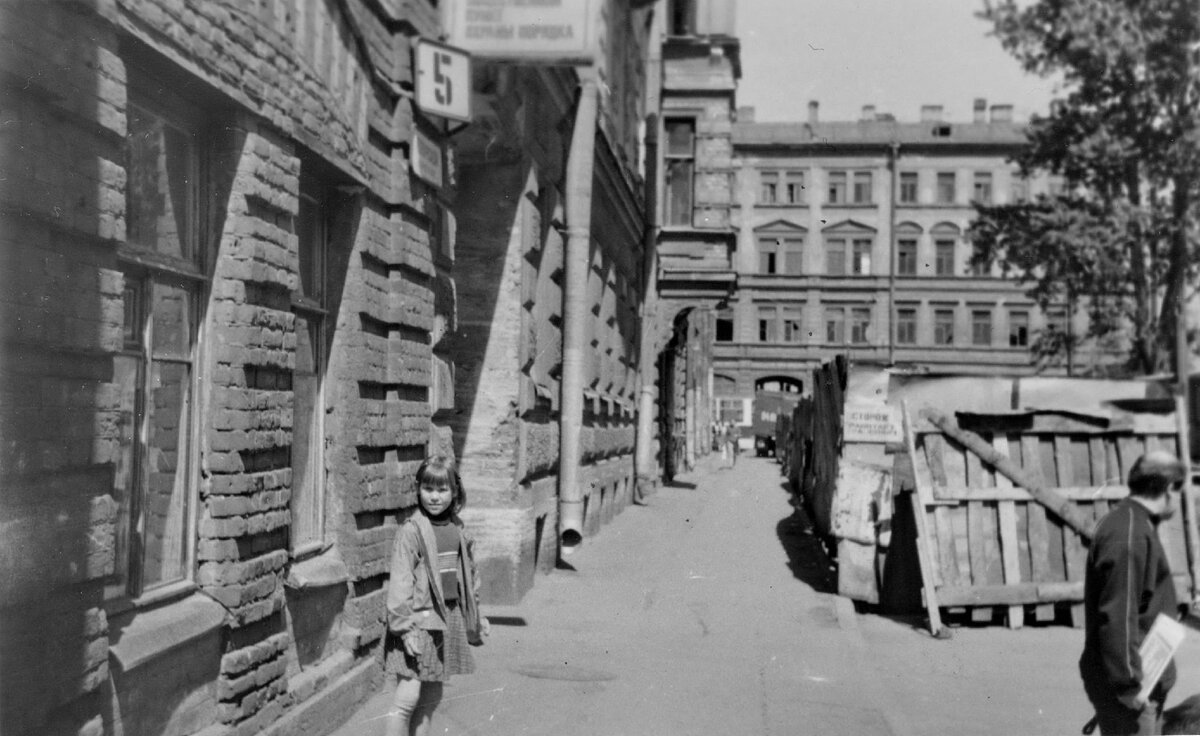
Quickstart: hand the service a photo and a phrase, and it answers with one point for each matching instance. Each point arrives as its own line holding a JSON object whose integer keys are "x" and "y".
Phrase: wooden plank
{"x": 1074, "y": 554}
{"x": 1039, "y": 533}
{"x": 1097, "y": 463}
{"x": 960, "y": 494}
{"x": 962, "y": 550}
{"x": 1129, "y": 448}
{"x": 977, "y": 475}
{"x": 1009, "y": 546}
{"x": 1007, "y": 595}
{"x": 1046, "y": 496}
{"x": 1187, "y": 502}
{"x": 976, "y": 543}
{"x": 924, "y": 543}
{"x": 946, "y": 571}
{"x": 935, "y": 452}
{"x": 955, "y": 463}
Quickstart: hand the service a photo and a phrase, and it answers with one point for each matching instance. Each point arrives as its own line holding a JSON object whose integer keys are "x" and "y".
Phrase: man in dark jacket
{"x": 1127, "y": 584}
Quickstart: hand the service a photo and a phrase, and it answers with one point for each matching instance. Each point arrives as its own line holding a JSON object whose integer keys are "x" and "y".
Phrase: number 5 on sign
{"x": 443, "y": 80}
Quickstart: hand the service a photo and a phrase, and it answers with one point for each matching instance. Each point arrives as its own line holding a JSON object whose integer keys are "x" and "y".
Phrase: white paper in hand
{"x": 1156, "y": 651}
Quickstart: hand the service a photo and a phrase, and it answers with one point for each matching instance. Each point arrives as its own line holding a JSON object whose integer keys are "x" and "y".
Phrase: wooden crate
{"x": 986, "y": 543}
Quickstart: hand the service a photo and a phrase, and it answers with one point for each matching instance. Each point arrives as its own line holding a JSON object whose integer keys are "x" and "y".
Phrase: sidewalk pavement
{"x": 711, "y": 611}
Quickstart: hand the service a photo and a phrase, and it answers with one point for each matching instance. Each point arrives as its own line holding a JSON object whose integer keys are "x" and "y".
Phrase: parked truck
{"x": 768, "y": 405}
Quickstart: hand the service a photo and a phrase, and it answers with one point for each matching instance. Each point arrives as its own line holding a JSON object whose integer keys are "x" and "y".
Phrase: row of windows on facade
{"x": 852, "y": 325}
{"x": 788, "y": 187}
{"x": 858, "y": 187}
{"x": 852, "y": 256}
{"x": 156, "y": 465}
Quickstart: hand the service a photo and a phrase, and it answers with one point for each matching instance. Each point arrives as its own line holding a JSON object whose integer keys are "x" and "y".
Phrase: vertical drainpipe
{"x": 644, "y": 464}
{"x": 576, "y": 265}
{"x": 894, "y": 161}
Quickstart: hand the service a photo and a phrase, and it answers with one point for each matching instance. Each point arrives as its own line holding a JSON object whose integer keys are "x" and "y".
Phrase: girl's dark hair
{"x": 443, "y": 468}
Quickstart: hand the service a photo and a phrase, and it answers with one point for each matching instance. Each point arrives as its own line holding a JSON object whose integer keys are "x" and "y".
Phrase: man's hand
{"x": 1132, "y": 701}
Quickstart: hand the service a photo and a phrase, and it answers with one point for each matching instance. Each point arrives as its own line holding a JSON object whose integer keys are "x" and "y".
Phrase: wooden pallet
{"x": 984, "y": 542}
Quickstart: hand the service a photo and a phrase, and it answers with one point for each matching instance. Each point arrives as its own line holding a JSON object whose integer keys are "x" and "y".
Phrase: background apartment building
{"x": 851, "y": 239}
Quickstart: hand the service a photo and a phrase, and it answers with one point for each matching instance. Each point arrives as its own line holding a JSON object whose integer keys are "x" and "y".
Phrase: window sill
{"x": 852, "y": 205}
{"x": 781, "y": 205}
{"x": 320, "y": 571}
{"x": 140, "y": 635}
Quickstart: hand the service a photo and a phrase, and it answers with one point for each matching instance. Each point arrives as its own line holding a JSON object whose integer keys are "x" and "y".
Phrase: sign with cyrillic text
{"x": 527, "y": 30}
{"x": 871, "y": 422}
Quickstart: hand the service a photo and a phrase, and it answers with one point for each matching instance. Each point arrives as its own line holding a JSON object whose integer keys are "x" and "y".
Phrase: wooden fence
{"x": 983, "y": 542}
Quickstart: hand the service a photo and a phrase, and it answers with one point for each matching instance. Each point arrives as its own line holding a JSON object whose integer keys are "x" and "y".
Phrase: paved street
{"x": 686, "y": 617}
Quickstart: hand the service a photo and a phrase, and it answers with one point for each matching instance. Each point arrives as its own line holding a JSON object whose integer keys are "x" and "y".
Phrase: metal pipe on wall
{"x": 645, "y": 467}
{"x": 576, "y": 267}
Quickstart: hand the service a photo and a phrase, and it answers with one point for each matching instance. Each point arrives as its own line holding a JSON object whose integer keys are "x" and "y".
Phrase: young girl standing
{"x": 433, "y": 600}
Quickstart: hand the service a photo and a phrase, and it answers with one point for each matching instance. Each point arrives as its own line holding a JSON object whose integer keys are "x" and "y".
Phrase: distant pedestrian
{"x": 1127, "y": 583}
{"x": 731, "y": 439}
{"x": 432, "y": 601}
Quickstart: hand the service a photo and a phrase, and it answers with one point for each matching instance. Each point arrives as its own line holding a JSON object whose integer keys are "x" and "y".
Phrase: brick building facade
{"x": 222, "y": 290}
{"x": 235, "y": 320}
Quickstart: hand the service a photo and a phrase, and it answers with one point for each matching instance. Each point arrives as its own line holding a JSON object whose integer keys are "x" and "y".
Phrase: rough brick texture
{"x": 285, "y": 91}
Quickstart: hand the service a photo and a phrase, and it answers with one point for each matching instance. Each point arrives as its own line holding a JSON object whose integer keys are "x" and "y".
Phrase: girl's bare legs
{"x": 431, "y": 696}
{"x": 412, "y": 707}
{"x": 404, "y": 703}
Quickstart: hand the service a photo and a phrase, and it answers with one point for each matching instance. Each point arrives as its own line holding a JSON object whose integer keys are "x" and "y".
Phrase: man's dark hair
{"x": 1154, "y": 473}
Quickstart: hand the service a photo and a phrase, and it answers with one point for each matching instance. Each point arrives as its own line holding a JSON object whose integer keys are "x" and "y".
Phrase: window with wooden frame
{"x": 310, "y": 307}
{"x": 861, "y": 261}
{"x": 908, "y": 187}
{"x": 981, "y": 327}
{"x": 943, "y": 327}
{"x": 724, "y": 326}
{"x": 793, "y": 323}
{"x": 906, "y": 257}
{"x": 768, "y": 187}
{"x": 946, "y": 187}
{"x": 863, "y": 187}
{"x": 835, "y": 325}
{"x": 860, "y": 325}
{"x": 780, "y": 254}
{"x": 943, "y": 261}
{"x": 680, "y": 157}
{"x": 1018, "y": 328}
{"x": 906, "y": 326}
{"x": 982, "y": 189}
{"x": 768, "y": 330}
{"x": 835, "y": 257}
{"x": 793, "y": 187}
{"x": 836, "y": 191}
{"x": 163, "y": 262}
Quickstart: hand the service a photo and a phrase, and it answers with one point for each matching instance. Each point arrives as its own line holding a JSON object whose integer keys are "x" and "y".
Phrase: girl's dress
{"x": 444, "y": 652}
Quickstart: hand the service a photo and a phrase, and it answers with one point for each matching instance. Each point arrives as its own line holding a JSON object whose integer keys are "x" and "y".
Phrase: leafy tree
{"x": 1124, "y": 139}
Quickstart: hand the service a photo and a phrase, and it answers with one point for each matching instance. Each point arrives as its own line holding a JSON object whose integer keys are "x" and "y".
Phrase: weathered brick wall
{"x": 61, "y": 200}
{"x": 287, "y": 85}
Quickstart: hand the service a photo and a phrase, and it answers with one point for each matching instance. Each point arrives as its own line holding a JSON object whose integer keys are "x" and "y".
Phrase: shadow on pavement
{"x": 807, "y": 558}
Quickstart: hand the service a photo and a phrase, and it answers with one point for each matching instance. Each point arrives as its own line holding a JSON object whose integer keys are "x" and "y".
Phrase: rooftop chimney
{"x": 745, "y": 114}
{"x": 868, "y": 113}
{"x": 1002, "y": 113}
{"x": 813, "y": 106}
{"x": 980, "y": 110}
{"x": 931, "y": 113}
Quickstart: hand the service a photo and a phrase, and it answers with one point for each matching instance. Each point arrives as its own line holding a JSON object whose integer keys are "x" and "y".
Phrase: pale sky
{"x": 894, "y": 54}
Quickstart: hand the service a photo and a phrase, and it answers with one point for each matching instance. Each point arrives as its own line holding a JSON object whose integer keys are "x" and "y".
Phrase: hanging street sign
{"x": 443, "y": 80}
{"x": 547, "y": 31}
{"x": 428, "y": 160}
